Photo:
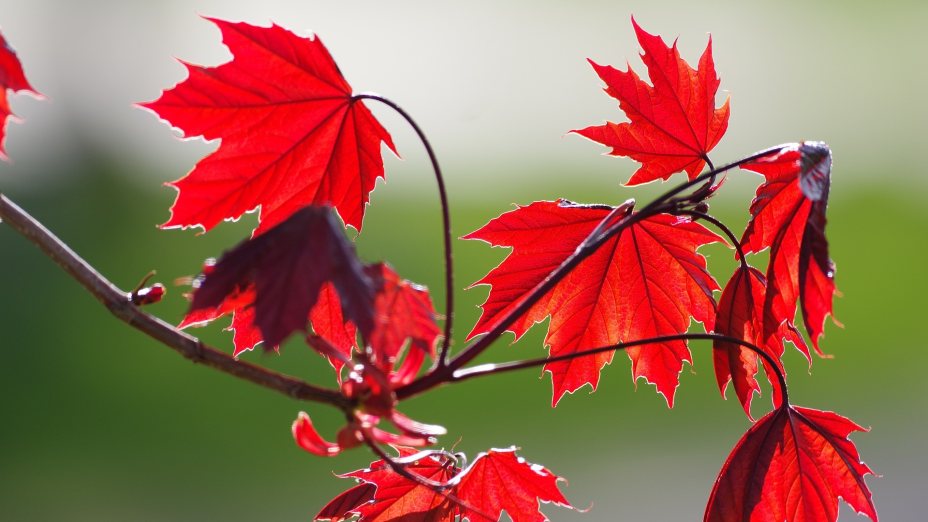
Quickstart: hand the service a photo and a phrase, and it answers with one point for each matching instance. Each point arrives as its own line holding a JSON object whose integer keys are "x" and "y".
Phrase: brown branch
{"x": 118, "y": 302}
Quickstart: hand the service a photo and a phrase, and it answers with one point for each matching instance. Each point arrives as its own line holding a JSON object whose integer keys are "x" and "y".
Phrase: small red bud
{"x": 148, "y": 295}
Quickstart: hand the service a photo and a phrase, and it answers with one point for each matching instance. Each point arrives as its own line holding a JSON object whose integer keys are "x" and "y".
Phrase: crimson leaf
{"x": 292, "y": 134}
{"x": 793, "y": 464}
{"x": 646, "y": 282}
{"x": 674, "y": 123}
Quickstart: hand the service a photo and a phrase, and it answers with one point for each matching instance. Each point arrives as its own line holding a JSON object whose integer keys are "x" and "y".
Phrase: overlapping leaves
{"x": 788, "y": 217}
{"x": 496, "y": 481}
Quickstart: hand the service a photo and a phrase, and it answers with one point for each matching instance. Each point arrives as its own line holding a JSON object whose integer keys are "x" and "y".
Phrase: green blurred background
{"x": 100, "y": 423}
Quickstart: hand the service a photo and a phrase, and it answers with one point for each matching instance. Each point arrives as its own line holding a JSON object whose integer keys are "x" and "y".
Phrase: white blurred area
{"x": 496, "y": 86}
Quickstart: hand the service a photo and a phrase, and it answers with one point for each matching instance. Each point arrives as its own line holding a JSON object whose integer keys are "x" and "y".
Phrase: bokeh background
{"x": 100, "y": 423}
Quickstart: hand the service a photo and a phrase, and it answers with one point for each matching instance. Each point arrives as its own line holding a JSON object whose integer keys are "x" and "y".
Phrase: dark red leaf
{"x": 288, "y": 267}
{"x": 12, "y": 79}
{"x": 292, "y": 135}
{"x": 788, "y": 217}
{"x": 647, "y": 281}
{"x": 673, "y": 123}
{"x": 793, "y": 464}
{"x": 500, "y": 480}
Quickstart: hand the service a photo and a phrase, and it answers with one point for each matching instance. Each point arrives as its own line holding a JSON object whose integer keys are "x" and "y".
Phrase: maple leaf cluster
{"x": 298, "y": 146}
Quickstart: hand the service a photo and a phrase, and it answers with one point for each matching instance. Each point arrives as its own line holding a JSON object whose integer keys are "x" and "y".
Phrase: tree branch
{"x": 118, "y": 302}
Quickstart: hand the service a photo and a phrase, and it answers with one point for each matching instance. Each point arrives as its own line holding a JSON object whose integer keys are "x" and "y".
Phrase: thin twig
{"x": 496, "y": 368}
{"x": 118, "y": 302}
{"x": 445, "y": 217}
{"x": 721, "y": 226}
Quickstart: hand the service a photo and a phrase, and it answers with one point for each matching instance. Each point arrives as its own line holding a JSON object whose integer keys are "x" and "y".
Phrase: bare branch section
{"x": 117, "y": 301}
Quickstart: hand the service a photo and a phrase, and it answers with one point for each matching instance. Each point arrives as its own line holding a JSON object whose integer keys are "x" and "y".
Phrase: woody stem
{"x": 119, "y": 303}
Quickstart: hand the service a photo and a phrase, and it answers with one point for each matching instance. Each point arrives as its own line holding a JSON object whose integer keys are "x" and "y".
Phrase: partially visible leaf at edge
{"x": 13, "y": 79}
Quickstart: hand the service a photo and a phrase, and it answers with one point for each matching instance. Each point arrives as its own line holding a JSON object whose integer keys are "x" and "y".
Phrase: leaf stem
{"x": 440, "y": 488}
{"x": 665, "y": 202}
{"x": 496, "y": 368}
{"x": 118, "y": 302}
{"x": 721, "y": 226}
{"x": 445, "y": 216}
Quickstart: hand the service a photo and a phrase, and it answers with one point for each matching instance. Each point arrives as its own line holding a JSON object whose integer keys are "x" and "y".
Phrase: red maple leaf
{"x": 285, "y": 270}
{"x": 788, "y": 217}
{"x": 292, "y": 134}
{"x": 398, "y": 498}
{"x": 497, "y": 481}
{"x": 793, "y": 464}
{"x": 13, "y": 79}
{"x": 741, "y": 315}
{"x": 673, "y": 122}
{"x": 500, "y": 480}
{"x": 645, "y": 282}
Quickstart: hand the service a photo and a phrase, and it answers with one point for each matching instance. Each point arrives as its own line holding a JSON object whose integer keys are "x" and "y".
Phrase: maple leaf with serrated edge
{"x": 788, "y": 217}
{"x": 645, "y": 282}
{"x": 500, "y": 480}
{"x": 12, "y": 79}
{"x": 497, "y": 481}
{"x": 287, "y": 267}
{"x": 673, "y": 123}
{"x": 741, "y": 315}
{"x": 793, "y": 464}
{"x": 291, "y": 132}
